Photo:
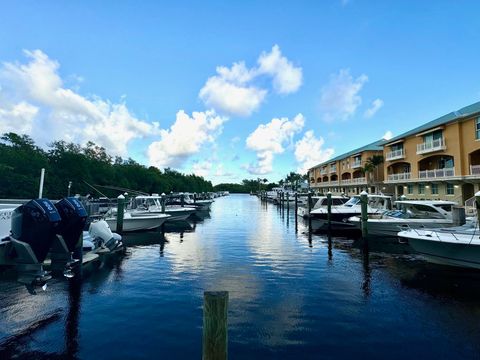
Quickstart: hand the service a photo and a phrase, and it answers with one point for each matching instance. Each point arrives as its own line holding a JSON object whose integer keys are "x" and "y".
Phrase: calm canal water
{"x": 291, "y": 297}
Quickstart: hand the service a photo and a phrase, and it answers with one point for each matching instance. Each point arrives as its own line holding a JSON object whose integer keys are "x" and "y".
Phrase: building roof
{"x": 442, "y": 120}
{"x": 375, "y": 146}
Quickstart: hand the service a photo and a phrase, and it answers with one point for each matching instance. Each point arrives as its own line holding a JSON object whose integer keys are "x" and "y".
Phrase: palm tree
{"x": 372, "y": 165}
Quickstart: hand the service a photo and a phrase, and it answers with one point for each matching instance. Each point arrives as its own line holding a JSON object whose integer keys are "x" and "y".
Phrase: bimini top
{"x": 442, "y": 120}
{"x": 375, "y": 146}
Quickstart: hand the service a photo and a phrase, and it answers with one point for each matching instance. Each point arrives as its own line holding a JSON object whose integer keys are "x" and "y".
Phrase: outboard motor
{"x": 74, "y": 217}
{"x": 34, "y": 226}
{"x": 70, "y": 231}
{"x": 99, "y": 230}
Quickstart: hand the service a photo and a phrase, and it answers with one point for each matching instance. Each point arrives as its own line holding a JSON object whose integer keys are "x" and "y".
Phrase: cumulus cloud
{"x": 34, "y": 100}
{"x": 286, "y": 77}
{"x": 233, "y": 91}
{"x": 309, "y": 152}
{"x": 388, "y": 135}
{"x": 184, "y": 138}
{"x": 372, "y": 110}
{"x": 269, "y": 139}
{"x": 340, "y": 97}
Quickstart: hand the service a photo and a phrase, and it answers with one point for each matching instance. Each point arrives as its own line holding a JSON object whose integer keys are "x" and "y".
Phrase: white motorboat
{"x": 185, "y": 200}
{"x": 145, "y": 205}
{"x": 136, "y": 223}
{"x": 377, "y": 204}
{"x": 320, "y": 202}
{"x": 456, "y": 246}
{"x": 415, "y": 214}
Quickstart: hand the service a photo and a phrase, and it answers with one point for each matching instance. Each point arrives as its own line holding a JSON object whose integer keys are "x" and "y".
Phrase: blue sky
{"x": 334, "y": 74}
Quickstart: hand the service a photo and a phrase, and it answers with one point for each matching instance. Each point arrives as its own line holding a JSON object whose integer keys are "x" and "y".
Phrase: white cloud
{"x": 268, "y": 140}
{"x": 286, "y": 77}
{"x": 388, "y": 135}
{"x": 232, "y": 90}
{"x": 376, "y": 105}
{"x": 340, "y": 97}
{"x": 202, "y": 168}
{"x": 184, "y": 138}
{"x": 309, "y": 152}
{"x": 33, "y": 100}
{"x": 228, "y": 92}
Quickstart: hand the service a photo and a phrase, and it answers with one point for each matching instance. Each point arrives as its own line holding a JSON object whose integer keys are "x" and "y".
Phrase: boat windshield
{"x": 352, "y": 202}
{"x": 421, "y": 211}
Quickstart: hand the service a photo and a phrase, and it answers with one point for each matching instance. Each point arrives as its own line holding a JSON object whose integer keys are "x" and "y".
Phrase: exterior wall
{"x": 460, "y": 142}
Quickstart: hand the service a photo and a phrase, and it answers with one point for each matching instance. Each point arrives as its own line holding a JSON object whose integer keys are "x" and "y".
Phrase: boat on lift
{"x": 414, "y": 214}
{"x": 377, "y": 204}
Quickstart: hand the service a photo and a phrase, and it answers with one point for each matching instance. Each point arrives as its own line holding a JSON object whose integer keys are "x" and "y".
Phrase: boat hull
{"x": 446, "y": 248}
{"x": 386, "y": 228}
{"x": 137, "y": 223}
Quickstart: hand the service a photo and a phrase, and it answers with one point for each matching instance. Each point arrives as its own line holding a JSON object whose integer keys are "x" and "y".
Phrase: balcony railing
{"x": 399, "y": 176}
{"x": 474, "y": 169}
{"x": 330, "y": 183}
{"x": 434, "y": 145}
{"x": 360, "y": 180}
{"x": 437, "y": 173}
{"x": 395, "y": 154}
{"x": 346, "y": 181}
{"x": 356, "y": 164}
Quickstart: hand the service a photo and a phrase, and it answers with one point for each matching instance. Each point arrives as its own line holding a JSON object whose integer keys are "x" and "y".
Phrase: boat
{"x": 415, "y": 214}
{"x": 144, "y": 205}
{"x": 319, "y": 202}
{"x": 456, "y": 246}
{"x": 135, "y": 223}
{"x": 377, "y": 204}
{"x": 184, "y": 200}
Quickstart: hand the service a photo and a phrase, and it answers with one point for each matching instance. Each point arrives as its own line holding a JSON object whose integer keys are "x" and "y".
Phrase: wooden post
{"x": 288, "y": 203}
{"x": 194, "y": 198}
{"x": 163, "y": 201}
{"x": 477, "y": 205}
{"x": 78, "y": 254}
{"x": 120, "y": 209}
{"x": 458, "y": 215}
{"x": 364, "y": 216}
{"x": 329, "y": 210}
{"x": 296, "y": 211}
{"x": 309, "y": 207}
{"x": 182, "y": 200}
{"x": 215, "y": 330}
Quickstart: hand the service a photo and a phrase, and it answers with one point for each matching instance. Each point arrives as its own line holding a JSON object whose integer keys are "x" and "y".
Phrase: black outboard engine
{"x": 74, "y": 217}
{"x": 36, "y": 224}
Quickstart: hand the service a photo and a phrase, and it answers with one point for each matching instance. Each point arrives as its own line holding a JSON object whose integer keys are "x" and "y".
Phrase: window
{"x": 397, "y": 147}
{"x": 410, "y": 189}
{"x": 450, "y": 189}
{"x": 421, "y": 188}
{"x": 445, "y": 163}
{"x": 477, "y": 128}
{"x": 434, "y": 189}
{"x": 431, "y": 137}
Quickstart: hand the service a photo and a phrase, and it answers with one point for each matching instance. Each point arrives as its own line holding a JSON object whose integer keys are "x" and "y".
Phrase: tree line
{"x": 21, "y": 161}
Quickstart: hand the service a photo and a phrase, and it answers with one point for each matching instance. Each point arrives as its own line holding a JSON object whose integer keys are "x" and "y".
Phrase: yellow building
{"x": 345, "y": 174}
{"x": 438, "y": 160}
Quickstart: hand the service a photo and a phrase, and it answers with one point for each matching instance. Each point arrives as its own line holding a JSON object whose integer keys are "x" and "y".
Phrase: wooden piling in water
{"x": 296, "y": 211}
{"x": 309, "y": 206}
{"x": 215, "y": 328}
{"x": 288, "y": 203}
{"x": 364, "y": 215}
{"x": 182, "y": 200}
{"x": 163, "y": 201}
{"x": 329, "y": 211}
{"x": 120, "y": 211}
{"x": 458, "y": 215}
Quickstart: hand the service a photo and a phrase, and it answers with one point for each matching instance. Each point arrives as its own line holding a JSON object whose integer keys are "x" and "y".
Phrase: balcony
{"x": 437, "y": 173}
{"x": 360, "y": 180}
{"x": 356, "y": 164}
{"x": 323, "y": 172}
{"x": 346, "y": 182}
{"x": 431, "y": 146}
{"x": 395, "y": 155}
{"x": 399, "y": 176}
{"x": 474, "y": 169}
{"x": 333, "y": 169}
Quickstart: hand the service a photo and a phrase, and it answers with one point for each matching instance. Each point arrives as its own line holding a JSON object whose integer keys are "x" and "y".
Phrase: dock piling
{"x": 215, "y": 330}
{"x": 288, "y": 203}
{"x": 120, "y": 210}
{"x": 458, "y": 215}
{"x": 163, "y": 201}
{"x": 329, "y": 211}
{"x": 364, "y": 215}
{"x": 477, "y": 205}
{"x": 309, "y": 206}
